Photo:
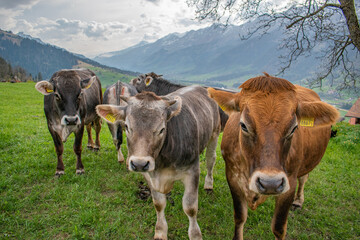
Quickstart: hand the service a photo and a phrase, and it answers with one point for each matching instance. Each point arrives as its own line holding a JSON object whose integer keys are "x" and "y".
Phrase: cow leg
{"x": 240, "y": 210}
{"x": 159, "y": 201}
{"x": 210, "y": 162}
{"x": 59, "y": 148}
{"x": 161, "y": 227}
{"x": 90, "y": 144}
{"x": 119, "y": 138}
{"x": 299, "y": 197}
{"x": 78, "y": 150}
{"x": 282, "y": 206}
{"x": 97, "y": 126}
{"x": 190, "y": 203}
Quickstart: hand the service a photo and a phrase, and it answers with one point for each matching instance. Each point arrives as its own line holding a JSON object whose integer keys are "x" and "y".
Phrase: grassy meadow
{"x": 104, "y": 203}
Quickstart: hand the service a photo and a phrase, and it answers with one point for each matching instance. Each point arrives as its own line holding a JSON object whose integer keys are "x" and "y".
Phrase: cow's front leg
{"x": 299, "y": 197}
{"x": 161, "y": 227}
{"x": 283, "y": 204}
{"x": 59, "y": 148}
{"x": 119, "y": 138}
{"x": 159, "y": 200}
{"x": 78, "y": 150}
{"x": 190, "y": 203}
{"x": 210, "y": 162}
{"x": 240, "y": 207}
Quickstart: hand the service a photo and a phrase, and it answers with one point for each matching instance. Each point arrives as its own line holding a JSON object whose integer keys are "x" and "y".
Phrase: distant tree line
{"x": 9, "y": 73}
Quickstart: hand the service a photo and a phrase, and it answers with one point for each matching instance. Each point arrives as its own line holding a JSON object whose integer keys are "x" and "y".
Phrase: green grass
{"x": 103, "y": 203}
{"x": 106, "y": 76}
{"x": 109, "y": 77}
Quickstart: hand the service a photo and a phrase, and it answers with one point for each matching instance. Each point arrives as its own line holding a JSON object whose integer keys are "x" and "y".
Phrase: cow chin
{"x": 66, "y": 131}
{"x": 269, "y": 182}
{"x": 141, "y": 164}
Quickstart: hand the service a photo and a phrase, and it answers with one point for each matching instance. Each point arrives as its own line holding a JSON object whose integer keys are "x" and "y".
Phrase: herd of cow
{"x": 274, "y": 133}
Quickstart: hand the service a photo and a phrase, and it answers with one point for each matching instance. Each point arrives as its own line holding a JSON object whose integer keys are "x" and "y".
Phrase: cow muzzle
{"x": 269, "y": 182}
{"x": 141, "y": 164}
{"x": 70, "y": 120}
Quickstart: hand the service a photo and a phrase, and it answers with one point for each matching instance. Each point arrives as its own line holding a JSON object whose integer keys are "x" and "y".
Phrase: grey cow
{"x": 152, "y": 82}
{"x": 69, "y": 103}
{"x": 112, "y": 96}
{"x": 165, "y": 136}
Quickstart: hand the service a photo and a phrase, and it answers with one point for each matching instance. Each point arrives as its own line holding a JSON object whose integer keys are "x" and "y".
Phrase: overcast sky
{"x": 93, "y": 27}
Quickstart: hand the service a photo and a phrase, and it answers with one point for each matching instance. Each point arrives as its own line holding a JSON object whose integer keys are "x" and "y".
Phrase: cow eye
{"x": 162, "y": 131}
{"x": 57, "y": 96}
{"x": 126, "y": 128}
{"x": 292, "y": 131}
{"x": 243, "y": 127}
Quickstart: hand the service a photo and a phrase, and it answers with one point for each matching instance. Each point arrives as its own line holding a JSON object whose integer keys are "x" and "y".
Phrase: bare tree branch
{"x": 306, "y": 25}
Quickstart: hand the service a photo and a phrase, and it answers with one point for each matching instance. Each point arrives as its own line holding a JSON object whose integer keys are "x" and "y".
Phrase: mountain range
{"x": 213, "y": 56}
{"x": 35, "y": 57}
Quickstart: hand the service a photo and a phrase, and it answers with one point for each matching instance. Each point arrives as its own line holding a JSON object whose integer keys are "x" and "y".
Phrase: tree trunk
{"x": 348, "y": 9}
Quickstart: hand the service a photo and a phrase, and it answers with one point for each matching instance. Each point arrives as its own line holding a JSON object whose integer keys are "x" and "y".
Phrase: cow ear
{"x": 111, "y": 113}
{"x": 148, "y": 80}
{"x": 316, "y": 114}
{"x": 45, "y": 87}
{"x": 227, "y": 101}
{"x": 174, "y": 107}
{"x": 125, "y": 91}
{"x": 86, "y": 83}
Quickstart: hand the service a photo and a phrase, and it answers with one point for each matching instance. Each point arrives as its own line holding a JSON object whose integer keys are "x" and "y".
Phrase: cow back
{"x": 189, "y": 132}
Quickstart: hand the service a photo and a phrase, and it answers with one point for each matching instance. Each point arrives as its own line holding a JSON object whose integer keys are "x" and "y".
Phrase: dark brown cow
{"x": 277, "y": 132}
{"x": 165, "y": 136}
{"x": 69, "y": 103}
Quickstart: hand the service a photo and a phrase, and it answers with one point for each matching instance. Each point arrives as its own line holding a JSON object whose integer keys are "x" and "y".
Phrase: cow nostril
{"x": 260, "y": 185}
{"x": 71, "y": 120}
{"x": 133, "y": 166}
{"x": 281, "y": 186}
{"x": 147, "y": 165}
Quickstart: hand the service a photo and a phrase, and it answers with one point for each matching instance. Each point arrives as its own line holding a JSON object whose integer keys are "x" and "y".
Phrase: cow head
{"x": 270, "y": 114}
{"x": 145, "y": 119}
{"x": 143, "y": 81}
{"x": 65, "y": 90}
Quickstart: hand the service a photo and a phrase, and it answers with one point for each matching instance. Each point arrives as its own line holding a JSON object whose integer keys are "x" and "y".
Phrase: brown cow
{"x": 277, "y": 132}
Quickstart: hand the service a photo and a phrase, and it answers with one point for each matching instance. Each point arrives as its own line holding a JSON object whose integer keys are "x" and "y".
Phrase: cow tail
{"x": 118, "y": 93}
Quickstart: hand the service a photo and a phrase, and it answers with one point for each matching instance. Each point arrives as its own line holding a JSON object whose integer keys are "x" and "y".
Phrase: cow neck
{"x": 164, "y": 87}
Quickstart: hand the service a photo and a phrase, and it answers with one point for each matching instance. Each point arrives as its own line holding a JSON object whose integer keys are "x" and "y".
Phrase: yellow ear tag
{"x": 307, "y": 122}
{"x": 88, "y": 86}
{"x": 110, "y": 118}
{"x": 49, "y": 90}
{"x": 147, "y": 81}
{"x": 222, "y": 107}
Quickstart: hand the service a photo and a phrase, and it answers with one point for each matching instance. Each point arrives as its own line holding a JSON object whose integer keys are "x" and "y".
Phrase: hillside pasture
{"x": 105, "y": 202}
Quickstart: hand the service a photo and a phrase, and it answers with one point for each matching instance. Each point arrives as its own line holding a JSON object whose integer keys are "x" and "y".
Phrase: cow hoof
{"x": 209, "y": 190}
{"x": 295, "y": 207}
{"x": 89, "y": 146}
{"x": 59, "y": 173}
{"x": 120, "y": 156}
{"x": 96, "y": 149}
{"x": 80, "y": 171}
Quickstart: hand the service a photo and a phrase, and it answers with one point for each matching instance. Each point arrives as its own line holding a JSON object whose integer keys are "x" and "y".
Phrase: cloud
{"x": 156, "y": 2}
{"x": 65, "y": 28}
{"x": 11, "y": 4}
